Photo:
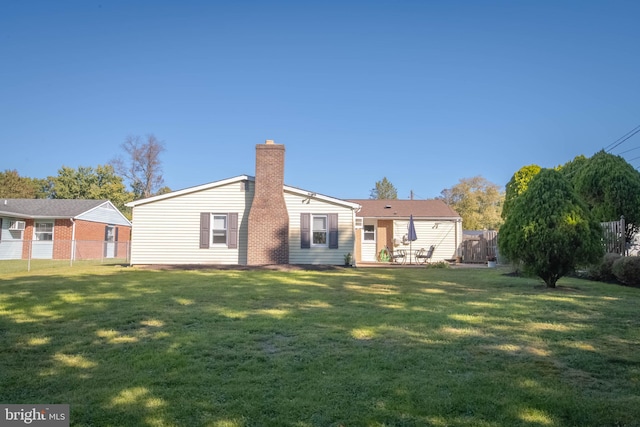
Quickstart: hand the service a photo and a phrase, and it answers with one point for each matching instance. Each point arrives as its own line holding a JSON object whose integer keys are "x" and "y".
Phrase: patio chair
{"x": 423, "y": 256}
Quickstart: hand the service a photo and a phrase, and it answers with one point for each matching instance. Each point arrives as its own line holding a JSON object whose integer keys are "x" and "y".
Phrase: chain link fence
{"x": 28, "y": 255}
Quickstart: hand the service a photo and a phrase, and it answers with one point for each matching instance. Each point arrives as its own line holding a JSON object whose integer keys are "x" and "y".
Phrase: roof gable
{"x": 394, "y": 208}
{"x": 190, "y": 190}
{"x": 61, "y": 208}
{"x": 220, "y": 183}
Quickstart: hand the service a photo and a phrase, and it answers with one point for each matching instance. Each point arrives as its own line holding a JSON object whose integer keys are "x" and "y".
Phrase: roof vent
{"x": 387, "y": 207}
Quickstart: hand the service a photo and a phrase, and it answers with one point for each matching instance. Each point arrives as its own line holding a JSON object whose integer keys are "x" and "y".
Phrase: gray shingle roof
{"x": 47, "y": 208}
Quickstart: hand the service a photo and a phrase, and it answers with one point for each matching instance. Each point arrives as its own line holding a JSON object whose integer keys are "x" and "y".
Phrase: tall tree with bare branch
{"x": 142, "y": 168}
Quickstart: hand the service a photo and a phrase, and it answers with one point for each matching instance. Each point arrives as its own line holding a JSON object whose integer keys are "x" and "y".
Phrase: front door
{"x": 110, "y": 241}
{"x": 369, "y": 241}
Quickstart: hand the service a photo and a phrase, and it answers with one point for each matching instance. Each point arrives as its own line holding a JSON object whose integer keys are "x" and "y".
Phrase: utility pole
{"x": 411, "y": 196}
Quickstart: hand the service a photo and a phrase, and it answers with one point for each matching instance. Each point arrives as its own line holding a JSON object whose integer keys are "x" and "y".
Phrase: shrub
{"x": 439, "y": 264}
{"x": 603, "y": 270}
{"x": 627, "y": 270}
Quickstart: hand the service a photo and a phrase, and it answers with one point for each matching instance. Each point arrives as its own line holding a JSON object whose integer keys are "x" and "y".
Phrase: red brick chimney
{"x": 268, "y": 239}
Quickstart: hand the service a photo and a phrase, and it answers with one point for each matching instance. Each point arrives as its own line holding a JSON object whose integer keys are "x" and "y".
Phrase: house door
{"x": 110, "y": 241}
{"x": 369, "y": 241}
{"x": 42, "y": 240}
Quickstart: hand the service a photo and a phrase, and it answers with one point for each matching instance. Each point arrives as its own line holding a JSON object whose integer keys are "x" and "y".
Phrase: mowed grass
{"x": 347, "y": 347}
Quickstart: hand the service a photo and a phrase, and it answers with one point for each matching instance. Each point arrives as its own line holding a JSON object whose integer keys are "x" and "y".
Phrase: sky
{"x": 424, "y": 93}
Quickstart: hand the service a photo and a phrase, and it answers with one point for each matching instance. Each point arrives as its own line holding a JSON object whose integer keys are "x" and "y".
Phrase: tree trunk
{"x": 551, "y": 280}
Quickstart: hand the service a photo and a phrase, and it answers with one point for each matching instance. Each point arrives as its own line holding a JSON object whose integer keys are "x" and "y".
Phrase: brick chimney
{"x": 268, "y": 239}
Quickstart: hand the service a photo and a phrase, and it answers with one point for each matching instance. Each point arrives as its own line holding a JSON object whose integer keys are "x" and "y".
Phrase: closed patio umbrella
{"x": 411, "y": 236}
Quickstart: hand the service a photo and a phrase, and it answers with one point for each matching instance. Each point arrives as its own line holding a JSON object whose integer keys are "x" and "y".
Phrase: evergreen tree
{"x": 549, "y": 229}
{"x": 384, "y": 190}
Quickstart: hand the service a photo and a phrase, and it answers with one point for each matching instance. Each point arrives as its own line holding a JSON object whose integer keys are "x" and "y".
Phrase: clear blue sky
{"x": 422, "y": 92}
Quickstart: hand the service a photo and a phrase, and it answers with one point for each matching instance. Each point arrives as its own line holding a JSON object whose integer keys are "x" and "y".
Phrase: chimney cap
{"x": 269, "y": 142}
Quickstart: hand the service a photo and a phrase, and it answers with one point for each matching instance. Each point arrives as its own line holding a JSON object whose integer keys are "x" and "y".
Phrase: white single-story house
{"x": 244, "y": 220}
{"x": 259, "y": 220}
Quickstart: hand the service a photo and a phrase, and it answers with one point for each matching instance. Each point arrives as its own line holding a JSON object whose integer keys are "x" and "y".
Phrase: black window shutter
{"x": 205, "y": 218}
{"x": 115, "y": 248}
{"x": 333, "y": 231}
{"x": 104, "y": 245}
{"x": 232, "y": 232}
{"x": 305, "y": 231}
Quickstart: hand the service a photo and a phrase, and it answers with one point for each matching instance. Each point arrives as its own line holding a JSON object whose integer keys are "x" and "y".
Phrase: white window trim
{"x": 35, "y": 232}
{"x": 364, "y": 233}
{"x": 326, "y": 231}
{"x": 226, "y": 230}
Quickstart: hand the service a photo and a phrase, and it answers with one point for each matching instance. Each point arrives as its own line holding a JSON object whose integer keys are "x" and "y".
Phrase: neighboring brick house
{"x": 62, "y": 229}
{"x": 244, "y": 221}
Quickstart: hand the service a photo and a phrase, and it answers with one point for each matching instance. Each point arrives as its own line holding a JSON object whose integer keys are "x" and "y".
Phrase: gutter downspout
{"x": 354, "y": 211}
{"x": 73, "y": 242}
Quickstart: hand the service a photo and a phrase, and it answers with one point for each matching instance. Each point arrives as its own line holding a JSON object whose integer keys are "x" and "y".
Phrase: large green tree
{"x": 549, "y": 229}
{"x": 14, "y": 186}
{"x": 517, "y": 185}
{"x": 84, "y": 182}
{"x": 478, "y": 201}
{"x": 384, "y": 189}
{"x": 609, "y": 186}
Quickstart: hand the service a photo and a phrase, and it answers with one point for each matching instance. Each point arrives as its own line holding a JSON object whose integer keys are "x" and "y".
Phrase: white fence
{"x": 20, "y": 255}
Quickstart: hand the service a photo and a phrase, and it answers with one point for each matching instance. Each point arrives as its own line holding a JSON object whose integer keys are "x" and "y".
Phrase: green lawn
{"x": 348, "y": 347}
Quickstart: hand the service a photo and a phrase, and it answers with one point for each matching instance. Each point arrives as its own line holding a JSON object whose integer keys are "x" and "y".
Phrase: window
{"x": 369, "y": 233}
{"x": 319, "y": 230}
{"x": 109, "y": 234}
{"x": 219, "y": 229}
{"x": 44, "y": 231}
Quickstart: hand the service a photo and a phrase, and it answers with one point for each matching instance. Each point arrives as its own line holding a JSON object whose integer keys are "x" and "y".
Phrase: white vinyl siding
{"x": 441, "y": 233}
{"x": 298, "y": 204}
{"x": 168, "y": 230}
{"x": 10, "y": 241}
{"x": 105, "y": 213}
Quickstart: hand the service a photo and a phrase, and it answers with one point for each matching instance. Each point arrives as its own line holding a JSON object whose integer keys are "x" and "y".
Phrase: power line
{"x": 622, "y": 139}
{"x": 626, "y": 151}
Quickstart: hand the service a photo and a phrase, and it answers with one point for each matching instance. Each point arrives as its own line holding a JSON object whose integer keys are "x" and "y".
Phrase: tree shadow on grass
{"x": 306, "y": 348}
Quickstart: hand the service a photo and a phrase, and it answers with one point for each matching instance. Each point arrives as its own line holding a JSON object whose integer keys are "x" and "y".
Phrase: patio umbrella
{"x": 411, "y": 235}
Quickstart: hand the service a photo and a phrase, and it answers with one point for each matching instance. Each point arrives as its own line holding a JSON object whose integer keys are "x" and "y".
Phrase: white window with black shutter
{"x": 218, "y": 230}
{"x": 319, "y": 230}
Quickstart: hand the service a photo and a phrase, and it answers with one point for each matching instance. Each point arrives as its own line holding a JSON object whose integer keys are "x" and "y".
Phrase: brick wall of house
{"x": 62, "y": 236}
{"x": 27, "y": 235}
{"x": 268, "y": 238}
{"x": 90, "y": 240}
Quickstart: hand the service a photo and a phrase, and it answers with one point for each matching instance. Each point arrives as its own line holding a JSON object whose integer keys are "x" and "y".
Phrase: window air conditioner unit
{"x": 17, "y": 225}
